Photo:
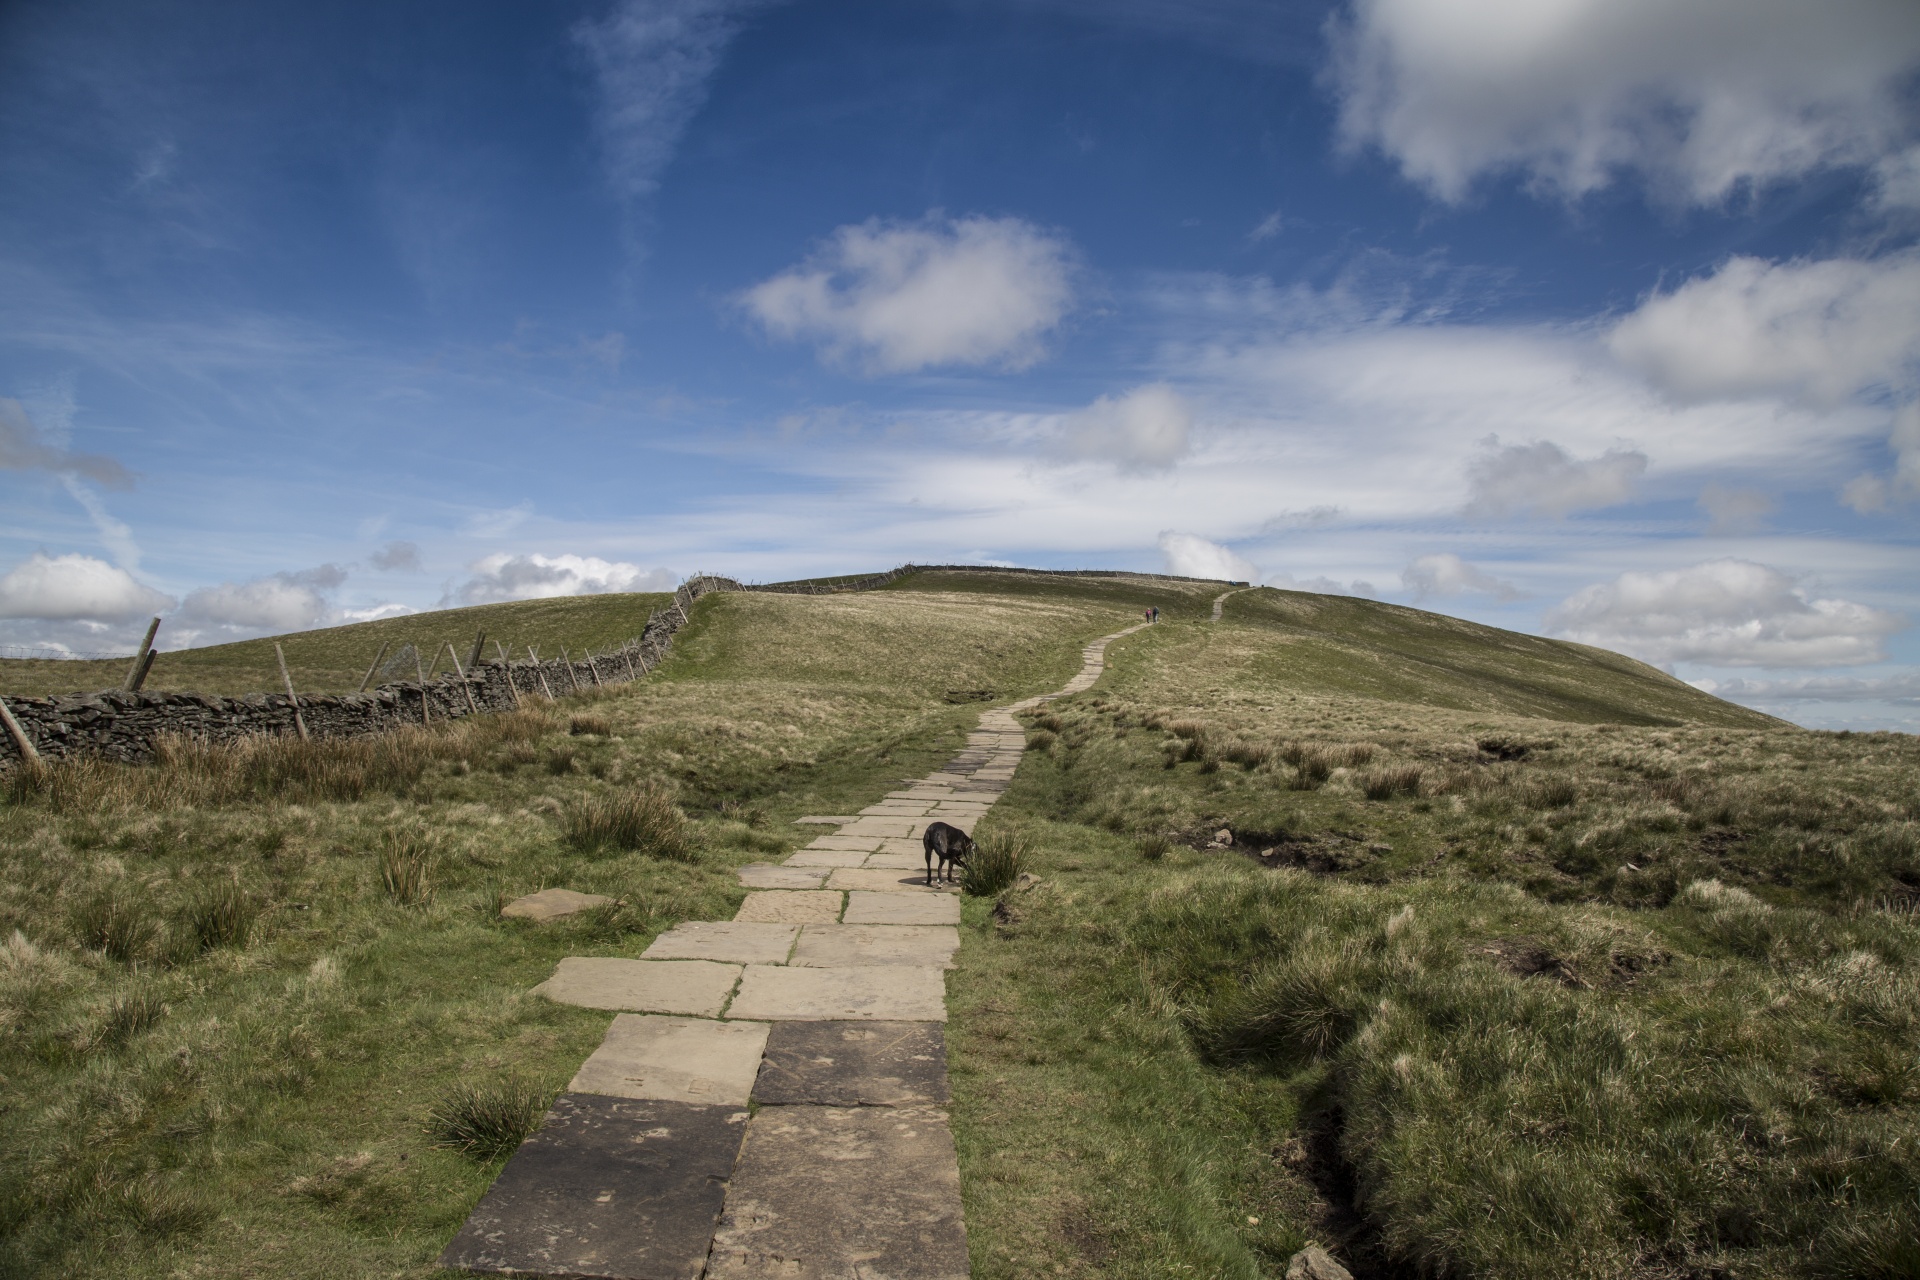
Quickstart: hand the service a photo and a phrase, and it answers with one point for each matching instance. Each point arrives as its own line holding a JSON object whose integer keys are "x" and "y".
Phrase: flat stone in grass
{"x": 881, "y": 879}
{"x": 882, "y": 992}
{"x": 551, "y": 904}
{"x": 697, "y": 987}
{"x": 791, "y": 906}
{"x": 729, "y": 941}
{"x": 853, "y": 1064}
{"x": 811, "y": 857}
{"x": 675, "y": 1060}
{"x": 824, "y": 1193}
{"x": 903, "y": 908}
{"x": 609, "y": 1188}
{"x": 842, "y": 946}
{"x": 760, "y": 876}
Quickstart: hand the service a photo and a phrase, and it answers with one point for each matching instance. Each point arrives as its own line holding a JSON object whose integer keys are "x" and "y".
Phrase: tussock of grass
{"x": 589, "y": 722}
{"x": 487, "y": 1121}
{"x": 1388, "y": 781}
{"x": 406, "y": 868}
{"x": 116, "y": 923}
{"x": 993, "y": 866}
{"x": 644, "y": 820}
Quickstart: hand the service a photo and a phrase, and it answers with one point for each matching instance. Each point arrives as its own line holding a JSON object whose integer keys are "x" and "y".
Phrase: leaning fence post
{"x": 460, "y": 671}
{"x": 19, "y": 735}
{"x": 133, "y": 672}
{"x": 146, "y": 665}
{"x": 287, "y": 679}
{"x": 567, "y": 662}
{"x": 506, "y": 669}
{"x": 375, "y": 666}
{"x": 593, "y": 671}
{"x": 479, "y": 647}
{"x": 420, "y": 671}
{"x": 540, "y": 669}
{"x": 627, "y": 653}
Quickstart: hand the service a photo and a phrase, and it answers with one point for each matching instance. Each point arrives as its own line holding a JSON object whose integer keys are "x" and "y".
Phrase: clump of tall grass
{"x": 644, "y": 820}
{"x": 1387, "y": 781}
{"x": 1312, "y": 766}
{"x": 128, "y": 1016}
{"x": 116, "y": 924}
{"x": 589, "y": 723}
{"x": 220, "y": 914}
{"x": 406, "y": 868}
{"x": 486, "y": 1121}
{"x": 993, "y": 866}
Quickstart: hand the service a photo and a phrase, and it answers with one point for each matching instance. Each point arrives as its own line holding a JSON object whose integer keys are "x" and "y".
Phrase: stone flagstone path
{"x": 821, "y": 1002}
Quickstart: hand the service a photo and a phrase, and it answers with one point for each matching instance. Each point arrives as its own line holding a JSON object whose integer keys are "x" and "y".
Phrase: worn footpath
{"x": 770, "y": 1099}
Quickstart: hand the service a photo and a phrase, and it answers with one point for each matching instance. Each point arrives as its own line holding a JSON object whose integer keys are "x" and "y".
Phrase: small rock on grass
{"x": 551, "y": 904}
{"x": 1315, "y": 1263}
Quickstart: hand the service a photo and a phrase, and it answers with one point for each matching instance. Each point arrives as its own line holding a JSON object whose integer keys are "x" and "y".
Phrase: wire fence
{"x": 60, "y": 655}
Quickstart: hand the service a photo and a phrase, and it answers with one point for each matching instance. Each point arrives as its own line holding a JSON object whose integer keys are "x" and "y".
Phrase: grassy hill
{"x": 1464, "y": 952}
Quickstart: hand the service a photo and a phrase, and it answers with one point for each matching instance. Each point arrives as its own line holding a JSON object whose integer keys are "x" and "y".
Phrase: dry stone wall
{"x": 124, "y": 726}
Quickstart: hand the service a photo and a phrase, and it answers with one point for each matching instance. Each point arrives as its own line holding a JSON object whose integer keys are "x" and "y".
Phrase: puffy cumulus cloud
{"x": 271, "y": 605}
{"x": 1146, "y": 429}
{"x": 1446, "y": 574}
{"x": 397, "y": 557}
{"x": 1817, "y": 331}
{"x": 1901, "y": 687}
{"x": 534, "y": 577}
{"x": 1545, "y": 479}
{"x": 893, "y": 297}
{"x": 1191, "y": 556}
{"x": 1699, "y": 96}
{"x": 1734, "y": 510}
{"x": 1726, "y": 612}
{"x": 1321, "y": 585}
{"x": 651, "y": 61}
{"x": 76, "y": 588}
{"x": 25, "y": 447}
{"x": 391, "y": 609}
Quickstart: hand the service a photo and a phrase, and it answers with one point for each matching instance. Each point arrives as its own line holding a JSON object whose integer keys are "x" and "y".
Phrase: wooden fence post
{"x": 627, "y": 653}
{"x": 594, "y": 672}
{"x": 133, "y": 672}
{"x": 506, "y": 668}
{"x": 479, "y": 648}
{"x": 567, "y": 662}
{"x": 539, "y": 669}
{"x": 15, "y": 731}
{"x": 146, "y": 665}
{"x": 286, "y": 678}
{"x": 375, "y": 666}
{"x": 420, "y": 672}
{"x": 460, "y": 671}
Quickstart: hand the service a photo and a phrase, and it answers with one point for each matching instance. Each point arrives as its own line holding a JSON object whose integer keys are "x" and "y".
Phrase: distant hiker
{"x": 949, "y": 844}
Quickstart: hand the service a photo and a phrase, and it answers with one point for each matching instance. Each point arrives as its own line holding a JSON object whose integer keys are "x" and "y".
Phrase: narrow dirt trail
{"x": 771, "y": 1099}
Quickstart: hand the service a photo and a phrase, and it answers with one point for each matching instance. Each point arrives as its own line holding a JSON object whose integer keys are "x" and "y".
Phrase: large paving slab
{"x": 884, "y": 828}
{"x": 729, "y": 941}
{"x": 832, "y": 1193}
{"x": 811, "y": 857}
{"x": 853, "y": 1064}
{"x": 698, "y": 987}
{"x": 841, "y": 946}
{"x": 607, "y": 1188}
{"x": 902, "y": 908}
{"x": 881, "y": 880}
{"x": 645, "y": 1055}
{"x": 884, "y": 992}
{"x": 865, "y": 843}
{"x": 551, "y": 904}
{"x": 915, "y": 861}
{"x": 759, "y": 875}
{"x": 791, "y": 906}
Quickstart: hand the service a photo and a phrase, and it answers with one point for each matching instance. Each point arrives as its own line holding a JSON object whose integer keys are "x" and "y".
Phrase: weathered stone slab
{"x": 853, "y": 1064}
{"x": 879, "y": 880}
{"x": 826, "y": 858}
{"x": 551, "y": 904}
{"x": 759, "y": 875}
{"x": 882, "y": 828}
{"x": 915, "y": 861}
{"x": 885, "y": 992}
{"x": 840, "y": 946}
{"x": 675, "y": 1060}
{"x": 866, "y": 843}
{"x": 831, "y": 1193}
{"x": 895, "y": 809}
{"x": 698, "y": 987}
{"x": 902, "y": 908}
{"x": 826, "y": 820}
{"x": 729, "y": 941}
{"x": 791, "y": 906}
{"x": 608, "y": 1188}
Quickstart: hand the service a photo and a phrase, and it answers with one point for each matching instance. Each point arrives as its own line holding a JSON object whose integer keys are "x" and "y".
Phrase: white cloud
{"x": 894, "y": 297}
{"x": 1896, "y": 181}
{"x": 397, "y": 557}
{"x": 372, "y": 612}
{"x": 25, "y": 447}
{"x": 1728, "y": 612}
{"x": 1545, "y": 479}
{"x": 651, "y": 61}
{"x": 74, "y": 588}
{"x": 271, "y": 605}
{"x": 1815, "y": 331}
{"x": 1734, "y": 510}
{"x": 1191, "y": 556}
{"x": 1870, "y": 493}
{"x": 1903, "y": 687}
{"x": 1446, "y": 574}
{"x": 534, "y": 577}
{"x": 1144, "y": 430}
{"x": 1321, "y": 585}
{"x": 1699, "y": 96}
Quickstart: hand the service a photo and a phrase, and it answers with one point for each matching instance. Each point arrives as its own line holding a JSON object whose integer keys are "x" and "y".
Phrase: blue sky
{"x": 1595, "y": 318}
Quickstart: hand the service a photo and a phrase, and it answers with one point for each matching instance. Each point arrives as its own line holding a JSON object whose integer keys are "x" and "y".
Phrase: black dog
{"x": 949, "y": 844}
